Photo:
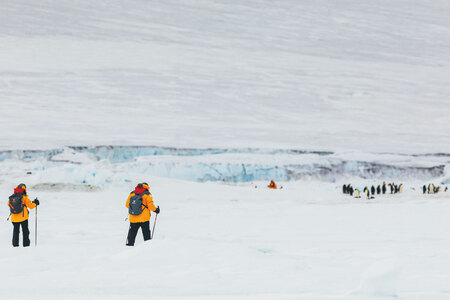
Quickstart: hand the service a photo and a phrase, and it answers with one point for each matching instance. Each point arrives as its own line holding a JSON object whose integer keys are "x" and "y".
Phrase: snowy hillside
{"x": 327, "y": 75}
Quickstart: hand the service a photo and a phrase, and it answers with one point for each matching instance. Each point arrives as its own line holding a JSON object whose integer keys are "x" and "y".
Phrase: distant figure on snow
{"x": 272, "y": 185}
{"x": 391, "y": 185}
{"x": 357, "y": 193}
{"x": 372, "y": 190}
{"x": 139, "y": 204}
{"x": 383, "y": 188}
{"x": 18, "y": 204}
{"x": 378, "y": 190}
{"x": 424, "y": 188}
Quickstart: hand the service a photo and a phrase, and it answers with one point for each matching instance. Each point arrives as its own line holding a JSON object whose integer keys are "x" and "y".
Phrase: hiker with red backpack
{"x": 19, "y": 204}
{"x": 139, "y": 204}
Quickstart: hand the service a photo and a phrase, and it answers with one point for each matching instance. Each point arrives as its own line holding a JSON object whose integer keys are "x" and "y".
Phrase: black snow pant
{"x": 16, "y": 233}
{"x": 132, "y": 232}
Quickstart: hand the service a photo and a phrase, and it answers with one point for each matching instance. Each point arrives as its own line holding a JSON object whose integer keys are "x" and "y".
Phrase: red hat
{"x": 20, "y": 189}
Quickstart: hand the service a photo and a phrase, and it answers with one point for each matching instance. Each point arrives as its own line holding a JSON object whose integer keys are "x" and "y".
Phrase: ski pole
{"x": 35, "y": 228}
{"x": 154, "y": 224}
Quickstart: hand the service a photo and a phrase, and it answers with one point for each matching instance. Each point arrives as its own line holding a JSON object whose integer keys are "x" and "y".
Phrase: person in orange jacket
{"x": 139, "y": 204}
{"x": 272, "y": 185}
{"x": 18, "y": 204}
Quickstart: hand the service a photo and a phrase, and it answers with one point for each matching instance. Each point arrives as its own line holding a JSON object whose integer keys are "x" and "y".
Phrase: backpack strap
{"x": 145, "y": 193}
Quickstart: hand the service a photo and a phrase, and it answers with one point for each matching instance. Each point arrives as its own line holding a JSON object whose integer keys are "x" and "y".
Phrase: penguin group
{"x": 347, "y": 189}
{"x": 390, "y": 188}
{"x": 395, "y": 189}
{"x": 369, "y": 193}
{"x": 432, "y": 189}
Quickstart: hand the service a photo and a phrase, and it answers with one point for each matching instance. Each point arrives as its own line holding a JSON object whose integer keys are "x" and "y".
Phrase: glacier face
{"x": 103, "y": 165}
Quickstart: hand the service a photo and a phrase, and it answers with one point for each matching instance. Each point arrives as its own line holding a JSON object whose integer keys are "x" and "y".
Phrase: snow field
{"x": 219, "y": 241}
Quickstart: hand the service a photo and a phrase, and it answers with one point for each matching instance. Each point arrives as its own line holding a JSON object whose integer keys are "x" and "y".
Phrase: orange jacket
{"x": 147, "y": 200}
{"x": 272, "y": 185}
{"x": 20, "y": 217}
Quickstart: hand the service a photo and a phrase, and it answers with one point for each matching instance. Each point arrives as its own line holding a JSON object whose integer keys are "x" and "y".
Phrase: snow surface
{"x": 216, "y": 241}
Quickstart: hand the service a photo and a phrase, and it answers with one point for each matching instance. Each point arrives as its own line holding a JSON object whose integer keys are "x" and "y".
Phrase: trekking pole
{"x": 154, "y": 224}
{"x": 35, "y": 228}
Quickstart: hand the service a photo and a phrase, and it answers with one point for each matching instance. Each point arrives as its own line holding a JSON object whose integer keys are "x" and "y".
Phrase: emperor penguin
{"x": 400, "y": 188}
{"x": 383, "y": 188}
{"x": 372, "y": 190}
{"x": 378, "y": 190}
{"x": 357, "y": 193}
{"x": 366, "y": 192}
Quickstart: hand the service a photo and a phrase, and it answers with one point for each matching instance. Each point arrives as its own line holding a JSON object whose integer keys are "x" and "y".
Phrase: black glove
{"x": 157, "y": 210}
{"x": 36, "y": 201}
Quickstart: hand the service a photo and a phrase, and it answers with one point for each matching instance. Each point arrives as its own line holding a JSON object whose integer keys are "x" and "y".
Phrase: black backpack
{"x": 136, "y": 206}
{"x": 16, "y": 203}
